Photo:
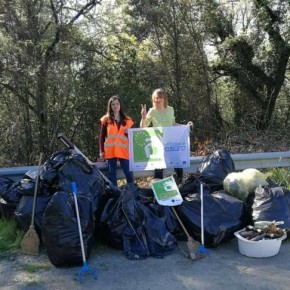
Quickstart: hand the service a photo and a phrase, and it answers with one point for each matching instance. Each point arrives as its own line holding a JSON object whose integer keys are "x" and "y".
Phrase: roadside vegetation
{"x": 281, "y": 176}
{"x": 32, "y": 268}
{"x": 10, "y": 235}
{"x": 223, "y": 63}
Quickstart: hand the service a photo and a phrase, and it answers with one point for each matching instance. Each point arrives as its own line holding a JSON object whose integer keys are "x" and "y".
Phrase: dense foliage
{"x": 223, "y": 63}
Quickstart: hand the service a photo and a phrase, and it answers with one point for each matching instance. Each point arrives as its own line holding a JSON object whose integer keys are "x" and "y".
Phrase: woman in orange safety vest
{"x": 113, "y": 141}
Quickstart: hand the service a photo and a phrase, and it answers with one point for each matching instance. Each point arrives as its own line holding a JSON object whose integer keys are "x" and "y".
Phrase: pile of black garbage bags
{"x": 129, "y": 218}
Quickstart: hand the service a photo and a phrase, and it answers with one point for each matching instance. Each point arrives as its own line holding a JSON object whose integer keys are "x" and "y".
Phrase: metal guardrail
{"x": 242, "y": 161}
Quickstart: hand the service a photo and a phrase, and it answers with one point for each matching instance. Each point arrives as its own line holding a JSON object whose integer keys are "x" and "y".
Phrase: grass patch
{"x": 31, "y": 268}
{"x": 10, "y": 235}
{"x": 281, "y": 176}
{"x": 34, "y": 284}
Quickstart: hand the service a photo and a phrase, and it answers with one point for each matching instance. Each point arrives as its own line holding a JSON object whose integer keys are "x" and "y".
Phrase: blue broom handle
{"x": 74, "y": 190}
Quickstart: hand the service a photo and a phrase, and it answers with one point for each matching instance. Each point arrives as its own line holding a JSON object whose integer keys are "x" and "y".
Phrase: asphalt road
{"x": 222, "y": 268}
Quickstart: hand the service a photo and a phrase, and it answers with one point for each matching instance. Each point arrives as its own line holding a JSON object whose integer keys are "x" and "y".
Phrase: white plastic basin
{"x": 259, "y": 249}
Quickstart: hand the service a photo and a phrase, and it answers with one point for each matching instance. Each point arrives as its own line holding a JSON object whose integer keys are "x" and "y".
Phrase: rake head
{"x": 86, "y": 269}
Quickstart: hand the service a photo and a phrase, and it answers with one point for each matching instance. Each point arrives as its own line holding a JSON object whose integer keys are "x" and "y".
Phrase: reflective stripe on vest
{"x": 112, "y": 136}
{"x": 108, "y": 145}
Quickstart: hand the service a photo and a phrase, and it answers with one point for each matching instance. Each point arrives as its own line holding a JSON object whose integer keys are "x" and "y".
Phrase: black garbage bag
{"x": 171, "y": 222}
{"x": 75, "y": 168}
{"x": 134, "y": 241}
{"x": 147, "y": 198}
{"x": 51, "y": 166}
{"x": 28, "y": 181}
{"x": 214, "y": 168}
{"x": 12, "y": 193}
{"x": 189, "y": 185}
{"x": 223, "y": 215}
{"x": 46, "y": 185}
{"x": 133, "y": 225}
{"x": 7, "y": 209}
{"x": 112, "y": 193}
{"x": 270, "y": 204}
{"x": 112, "y": 221}
{"x": 27, "y": 186}
{"x": 9, "y": 197}
{"x": 60, "y": 232}
{"x": 146, "y": 233}
{"x": 87, "y": 177}
{"x": 23, "y": 212}
{"x": 145, "y": 195}
{"x": 5, "y": 184}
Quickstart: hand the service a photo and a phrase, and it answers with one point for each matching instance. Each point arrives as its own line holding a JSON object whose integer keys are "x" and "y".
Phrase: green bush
{"x": 10, "y": 235}
{"x": 281, "y": 176}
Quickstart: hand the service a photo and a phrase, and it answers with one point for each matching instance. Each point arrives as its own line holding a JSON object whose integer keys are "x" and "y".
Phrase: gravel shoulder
{"x": 223, "y": 268}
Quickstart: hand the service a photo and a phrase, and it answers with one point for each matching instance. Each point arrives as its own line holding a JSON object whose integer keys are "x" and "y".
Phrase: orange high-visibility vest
{"x": 116, "y": 144}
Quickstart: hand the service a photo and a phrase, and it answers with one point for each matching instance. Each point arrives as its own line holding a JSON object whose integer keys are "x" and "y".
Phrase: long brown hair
{"x": 110, "y": 114}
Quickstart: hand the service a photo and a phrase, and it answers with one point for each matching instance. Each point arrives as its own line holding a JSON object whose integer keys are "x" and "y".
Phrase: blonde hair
{"x": 159, "y": 92}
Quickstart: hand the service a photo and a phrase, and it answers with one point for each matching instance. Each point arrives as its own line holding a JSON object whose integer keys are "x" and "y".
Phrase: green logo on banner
{"x": 148, "y": 145}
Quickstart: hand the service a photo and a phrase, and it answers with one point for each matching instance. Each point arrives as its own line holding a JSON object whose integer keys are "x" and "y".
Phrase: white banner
{"x": 159, "y": 147}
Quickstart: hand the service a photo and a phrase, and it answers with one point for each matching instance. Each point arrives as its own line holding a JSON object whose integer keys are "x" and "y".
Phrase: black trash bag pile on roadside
{"x": 129, "y": 218}
{"x": 55, "y": 218}
{"x": 47, "y": 186}
{"x": 130, "y": 224}
{"x": 223, "y": 215}
{"x": 60, "y": 232}
{"x": 214, "y": 168}
{"x": 57, "y": 172}
{"x": 269, "y": 204}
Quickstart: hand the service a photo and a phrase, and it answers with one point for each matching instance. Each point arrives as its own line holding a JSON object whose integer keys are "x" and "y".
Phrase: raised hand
{"x": 143, "y": 111}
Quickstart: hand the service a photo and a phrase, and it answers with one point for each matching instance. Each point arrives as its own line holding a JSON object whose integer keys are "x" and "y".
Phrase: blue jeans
{"x": 112, "y": 173}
